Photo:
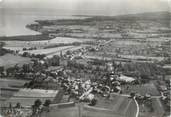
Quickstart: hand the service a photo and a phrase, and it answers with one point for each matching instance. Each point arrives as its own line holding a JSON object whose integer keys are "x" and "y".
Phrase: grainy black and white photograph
{"x": 85, "y": 58}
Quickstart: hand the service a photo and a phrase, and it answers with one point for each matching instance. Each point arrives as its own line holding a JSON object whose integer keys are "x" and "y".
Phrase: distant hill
{"x": 148, "y": 16}
{"x": 160, "y": 17}
{"x": 144, "y": 16}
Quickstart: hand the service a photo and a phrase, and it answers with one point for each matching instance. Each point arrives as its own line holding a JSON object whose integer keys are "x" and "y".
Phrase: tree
{"x": 68, "y": 52}
{"x": 37, "y": 103}
{"x": 55, "y": 60}
{"x": 93, "y": 102}
{"x": 1, "y": 69}
{"x": 40, "y": 56}
{"x": 25, "y": 54}
{"x": 132, "y": 94}
{"x": 27, "y": 68}
{"x": 18, "y": 105}
{"x": 2, "y": 44}
{"x": 16, "y": 68}
{"x": 10, "y": 70}
{"x": 24, "y": 49}
{"x": 47, "y": 102}
{"x": 36, "y": 106}
{"x": 46, "y": 105}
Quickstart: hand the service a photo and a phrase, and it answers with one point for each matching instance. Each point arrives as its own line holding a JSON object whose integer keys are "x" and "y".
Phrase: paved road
{"x": 138, "y": 108}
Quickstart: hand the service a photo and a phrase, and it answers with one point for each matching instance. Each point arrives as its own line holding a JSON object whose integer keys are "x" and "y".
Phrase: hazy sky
{"x": 101, "y": 7}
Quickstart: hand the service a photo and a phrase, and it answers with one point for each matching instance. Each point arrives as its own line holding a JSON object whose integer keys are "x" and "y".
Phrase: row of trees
{"x": 39, "y": 56}
{"x": 31, "y": 48}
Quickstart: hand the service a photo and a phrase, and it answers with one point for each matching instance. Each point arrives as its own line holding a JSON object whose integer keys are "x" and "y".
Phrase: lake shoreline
{"x": 25, "y": 38}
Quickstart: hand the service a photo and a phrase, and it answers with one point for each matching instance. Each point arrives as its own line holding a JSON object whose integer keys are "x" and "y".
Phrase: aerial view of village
{"x": 84, "y": 65}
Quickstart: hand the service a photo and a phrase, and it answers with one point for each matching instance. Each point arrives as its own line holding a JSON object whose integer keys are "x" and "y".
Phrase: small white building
{"x": 125, "y": 78}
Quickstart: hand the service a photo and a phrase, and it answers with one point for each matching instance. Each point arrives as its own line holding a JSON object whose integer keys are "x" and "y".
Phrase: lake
{"x": 13, "y": 23}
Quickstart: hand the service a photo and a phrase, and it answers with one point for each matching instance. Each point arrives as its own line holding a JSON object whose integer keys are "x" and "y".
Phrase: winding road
{"x": 138, "y": 108}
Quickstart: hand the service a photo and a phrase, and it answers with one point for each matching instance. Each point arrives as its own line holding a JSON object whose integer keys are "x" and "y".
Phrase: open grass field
{"x": 9, "y": 60}
{"x": 65, "y": 112}
{"x": 94, "y": 112}
{"x": 119, "y": 105}
{"x": 148, "y": 88}
{"x": 158, "y": 109}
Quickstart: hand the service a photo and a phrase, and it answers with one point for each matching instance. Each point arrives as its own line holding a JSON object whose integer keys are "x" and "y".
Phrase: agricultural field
{"x": 25, "y": 101}
{"x": 66, "y": 40}
{"x": 46, "y": 51}
{"x": 19, "y": 45}
{"x": 63, "y": 50}
{"x": 50, "y": 52}
{"x": 47, "y": 47}
{"x": 27, "y": 96}
{"x": 9, "y": 60}
{"x": 139, "y": 57}
{"x": 9, "y": 83}
{"x": 132, "y": 49}
{"x": 35, "y": 93}
{"x": 8, "y": 88}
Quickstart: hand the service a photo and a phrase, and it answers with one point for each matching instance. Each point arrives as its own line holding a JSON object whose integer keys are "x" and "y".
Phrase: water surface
{"x": 13, "y": 23}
